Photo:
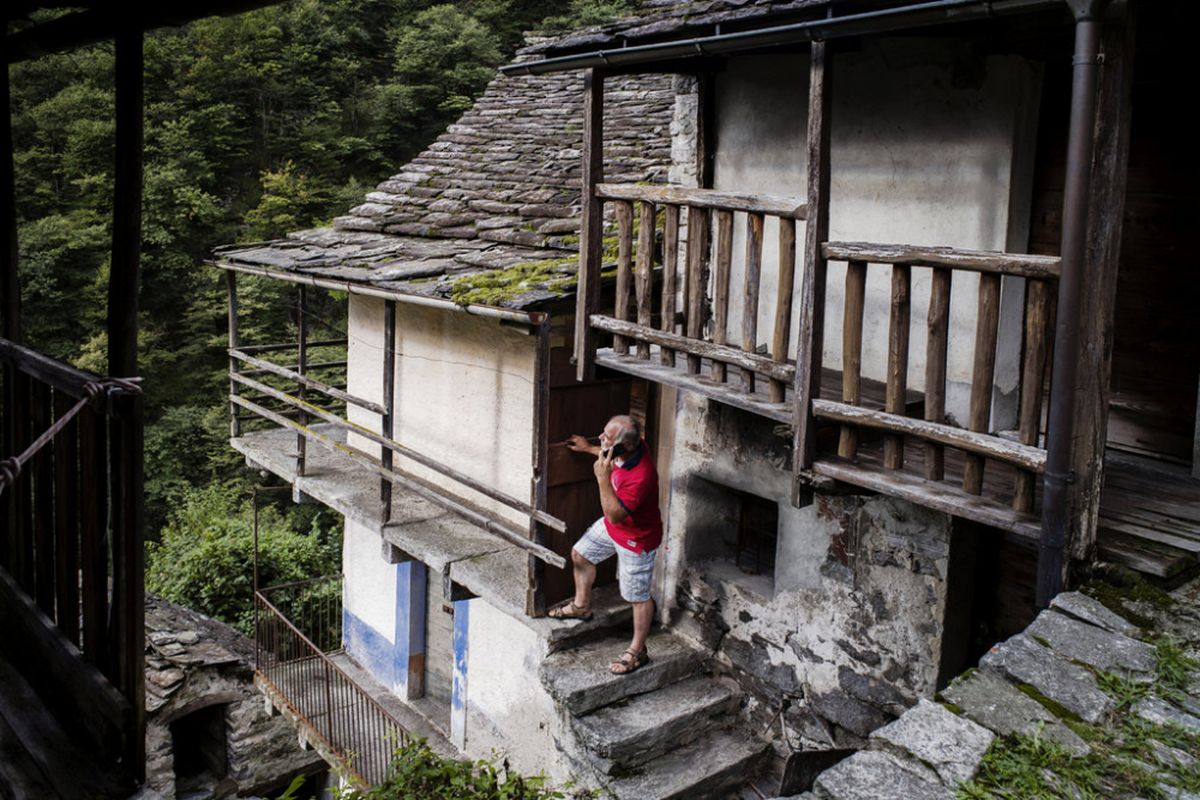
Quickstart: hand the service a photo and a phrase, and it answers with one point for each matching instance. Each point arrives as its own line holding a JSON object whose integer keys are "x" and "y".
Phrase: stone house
{"x": 830, "y": 253}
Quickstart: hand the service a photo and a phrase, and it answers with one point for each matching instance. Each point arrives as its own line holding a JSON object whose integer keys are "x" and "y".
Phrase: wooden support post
{"x": 66, "y": 522}
{"x": 987, "y": 326}
{"x": 753, "y": 273}
{"x": 643, "y": 275}
{"x": 697, "y": 279}
{"x": 301, "y": 369}
{"x": 623, "y": 209}
{"x": 10, "y": 284}
{"x": 387, "y": 422}
{"x": 897, "y": 375}
{"x": 93, "y": 535}
{"x": 42, "y": 470}
{"x": 724, "y": 259}
{"x": 852, "y": 335}
{"x": 783, "y": 302}
{"x": 235, "y": 426}
{"x": 127, "y": 207}
{"x": 591, "y": 238}
{"x": 535, "y": 597}
{"x": 1033, "y": 371}
{"x": 670, "y": 273}
{"x": 935, "y": 366}
{"x": 812, "y": 286}
{"x": 21, "y": 542}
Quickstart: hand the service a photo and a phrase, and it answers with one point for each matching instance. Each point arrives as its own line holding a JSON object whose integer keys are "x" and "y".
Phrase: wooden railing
{"x": 682, "y": 330}
{"x": 71, "y": 569}
{"x": 977, "y": 441}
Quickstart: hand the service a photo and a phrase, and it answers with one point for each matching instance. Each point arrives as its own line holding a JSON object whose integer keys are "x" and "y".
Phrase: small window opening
{"x": 756, "y": 533}
{"x": 199, "y": 745}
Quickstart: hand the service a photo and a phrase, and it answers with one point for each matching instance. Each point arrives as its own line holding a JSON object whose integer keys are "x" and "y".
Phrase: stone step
{"x": 708, "y": 769}
{"x": 610, "y": 614}
{"x": 579, "y": 678}
{"x": 642, "y": 728}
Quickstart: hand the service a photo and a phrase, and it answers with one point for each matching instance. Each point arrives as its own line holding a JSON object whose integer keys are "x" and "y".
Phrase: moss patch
{"x": 497, "y": 286}
{"x": 1120, "y": 592}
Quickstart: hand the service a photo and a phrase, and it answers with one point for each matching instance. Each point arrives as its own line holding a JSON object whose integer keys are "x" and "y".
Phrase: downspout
{"x": 1059, "y": 477}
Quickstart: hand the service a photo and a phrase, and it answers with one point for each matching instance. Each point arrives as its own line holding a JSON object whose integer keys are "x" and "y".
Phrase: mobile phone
{"x": 614, "y": 451}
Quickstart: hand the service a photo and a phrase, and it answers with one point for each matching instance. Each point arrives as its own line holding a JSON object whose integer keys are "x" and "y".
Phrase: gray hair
{"x": 631, "y": 431}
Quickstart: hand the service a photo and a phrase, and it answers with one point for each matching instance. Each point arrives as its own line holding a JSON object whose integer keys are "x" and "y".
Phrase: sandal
{"x": 568, "y": 610}
{"x": 630, "y": 661}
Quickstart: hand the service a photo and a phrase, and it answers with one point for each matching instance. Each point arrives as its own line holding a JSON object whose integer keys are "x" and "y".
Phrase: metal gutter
{"x": 531, "y": 318}
{"x": 937, "y": 12}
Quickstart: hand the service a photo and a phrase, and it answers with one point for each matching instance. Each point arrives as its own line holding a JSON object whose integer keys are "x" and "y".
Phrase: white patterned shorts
{"x": 634, "y": 570}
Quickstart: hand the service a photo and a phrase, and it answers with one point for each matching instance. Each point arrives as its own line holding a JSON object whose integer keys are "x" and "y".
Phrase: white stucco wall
{"x": 370, "y": 585}
{"x": 464, "y": 393}
{"x": 931, "y": 145}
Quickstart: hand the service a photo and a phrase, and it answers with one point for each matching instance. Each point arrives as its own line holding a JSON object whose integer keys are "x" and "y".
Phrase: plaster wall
{"x": 463, "y": 394}
{"x": 932, "y": 144}
{"x": 369, "y": 592}
{"x": 850, "y": 622}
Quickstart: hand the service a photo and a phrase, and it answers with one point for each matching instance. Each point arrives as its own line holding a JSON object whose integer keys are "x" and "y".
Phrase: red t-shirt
{"x": 636, "y": 485}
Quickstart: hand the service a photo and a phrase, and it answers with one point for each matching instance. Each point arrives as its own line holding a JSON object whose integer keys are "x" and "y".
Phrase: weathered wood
{"x": 387, "y": 419}
{"x": 496, "y": 527}
{"x": 711, "y": 199}
{"x": 10, "y": 281}
{"x": 21, "y": 491}
{"x": 752, "y": 277}
{"x": 811, "y": 335}
{"x": 699, "y": 348}
{"x": 623, "y": 210}
{"x": 391, "y": 445}
{"x": 1033, "y": 370}
{"x": 591, "y": 229}
{"x": 43, "y": 369}
{"x": 293, "y": 375}
{"x": 697, "y": 278}
{"x": 1015, "y": 453}
{"x": 987, "y": 326}
{"x": 66, "y": 522}
{"x": 852, "y": 335}
{"x": 724, "y": 260}
{"x": 643, "y": 270}
{"x": 231, "y": 299}
{"x": 535, "y": 596}
{"x": 93, "y": 547}
{"x": 897, "y": 375}
{"x": 270, "y": 348}
{"x": 670, "y": 273}
{"x": 986, "y": 261}
{"x": 938, "y": 337}
{"x": 301, "y": 369}
{"x": 782, "y": 331}
{"x": 43, "y": 499}
{"x": 931, "y": 494}
{"x": 125, "y": 263}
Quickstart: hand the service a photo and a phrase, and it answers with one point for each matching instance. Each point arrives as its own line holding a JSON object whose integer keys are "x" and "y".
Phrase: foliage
{"x": 418, "y": 772}
{"x": 205, "y": 558}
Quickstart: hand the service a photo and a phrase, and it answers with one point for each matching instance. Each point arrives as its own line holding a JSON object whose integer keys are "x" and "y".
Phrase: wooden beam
{"x": 127, "y": 208}
{"x": 623, "y": 211}
{"x": 670, "y": 277}
{"x": 301, "y": 369}
{"x": 644, "y": 271}
{"x": 788, "y": 207}
{"x": 752, "y": 273}
{"x": 897, "y": 375}
{"x": 852, "y": 340}
{"x": 724, "y": 261}
{"x": 989, "y": 261}
{"x": 697, "y": 278}
{"x": 591, "y": 231}
{"x": 323, "y": 388}
{"x": 10, "y": 284}
{"x": 231, "y": 300}
{"x": 782, "y": 331}
{"x": 812, "y": 285}
{"x": 535, "y": 596}
{"x": 387, "y": 420}
{"x": 983, "y": 371}
{"x": 1033, "y": 371}
{"x": 937, "y": 340}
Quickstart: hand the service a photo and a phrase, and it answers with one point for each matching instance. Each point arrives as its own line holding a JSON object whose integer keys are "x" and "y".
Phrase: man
{"x": 631, "y": 528}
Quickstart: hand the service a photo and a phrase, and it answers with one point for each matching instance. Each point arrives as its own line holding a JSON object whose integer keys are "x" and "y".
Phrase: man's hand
{"x": 578, "y": 444}
{"x": 604, "y": 467}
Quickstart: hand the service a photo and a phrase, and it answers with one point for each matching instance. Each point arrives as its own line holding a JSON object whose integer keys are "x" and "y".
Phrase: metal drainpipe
{"x": 1061, "y": 423}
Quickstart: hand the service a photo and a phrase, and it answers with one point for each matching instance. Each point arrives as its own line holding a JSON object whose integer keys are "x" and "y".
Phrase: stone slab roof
{"x": 500, "y": 187}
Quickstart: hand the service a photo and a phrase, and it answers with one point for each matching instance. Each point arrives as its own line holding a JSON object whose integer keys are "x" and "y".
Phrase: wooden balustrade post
{"x": 852, "y": 335}
{"x": 938, "y": 338}
{"x": 987, "y": 326}
{"x": 750, "y": 288}
{"x": 724, "y": 259}
{"x": 644, "y": 272}
{"x": 623, "y": 209}
{"x": 897, "y": 374}
{"x": 697, "y": 278}
{"x": 783, "y": 303}
{"x": 670, "y": 273}
{"x": 301, "y": 369}
{"x": 591, "y": 232}
{"x": 1033, "y": 371}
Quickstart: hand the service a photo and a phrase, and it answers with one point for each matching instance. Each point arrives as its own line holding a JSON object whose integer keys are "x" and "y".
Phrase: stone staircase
{"x": 669, "y": 730}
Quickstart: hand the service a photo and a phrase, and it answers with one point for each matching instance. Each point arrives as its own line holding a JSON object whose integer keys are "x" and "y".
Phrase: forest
{"x": 255, "y": 125}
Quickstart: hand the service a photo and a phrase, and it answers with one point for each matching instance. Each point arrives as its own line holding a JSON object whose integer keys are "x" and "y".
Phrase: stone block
{"x": 1023, "y": 660}
{"x": 872, "y": 775}
{"x": 1090, "y": 610}
{"x": 1079, "y": 641}
{"x": 952, "y": 745}
{"x": 999, "y": 706}
{"x": 1160, "y": 712}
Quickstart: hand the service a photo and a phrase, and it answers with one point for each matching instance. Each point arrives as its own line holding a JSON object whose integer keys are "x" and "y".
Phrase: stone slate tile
{"x": 1090, "y": 610}
{"x": 871, "y": 775}
{"x": 1079, "y": 641}
{"x": 998, "y": 705}
{"x": 1160, "y": 712}
{"x": 951, "y": 745}
{"x": 1023, "y": 660}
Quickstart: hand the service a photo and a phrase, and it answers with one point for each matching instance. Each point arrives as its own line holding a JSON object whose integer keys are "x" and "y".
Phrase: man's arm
{"x": 578, "y": 444}
{"x": 614, "y": 512}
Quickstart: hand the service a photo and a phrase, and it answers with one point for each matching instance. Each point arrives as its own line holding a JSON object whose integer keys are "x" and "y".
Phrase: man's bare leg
{"x": 585, "y": 576}
{"x": 643, "y": 615}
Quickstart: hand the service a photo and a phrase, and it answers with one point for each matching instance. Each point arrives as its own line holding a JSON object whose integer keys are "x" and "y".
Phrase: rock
{"x": 1079, "y": 641}
{"x": 1170, "y": 757}
{"x": 1160, "y": 712}
{"x": 998, "y": 705}
{"x": 1090, "y": 610}
{"x": 1025, "y": 661}
{"x": 953, "y": 746}
{"x": 850, "y": 713}
{"x": 871, "y": 775}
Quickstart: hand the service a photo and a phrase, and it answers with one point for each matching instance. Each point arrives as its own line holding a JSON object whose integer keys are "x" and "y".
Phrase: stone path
{"x": 1080, "y": 667}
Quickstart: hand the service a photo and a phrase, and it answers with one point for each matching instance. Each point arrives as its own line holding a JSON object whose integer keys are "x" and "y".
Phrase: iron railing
{"x": 298, "y": 627}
